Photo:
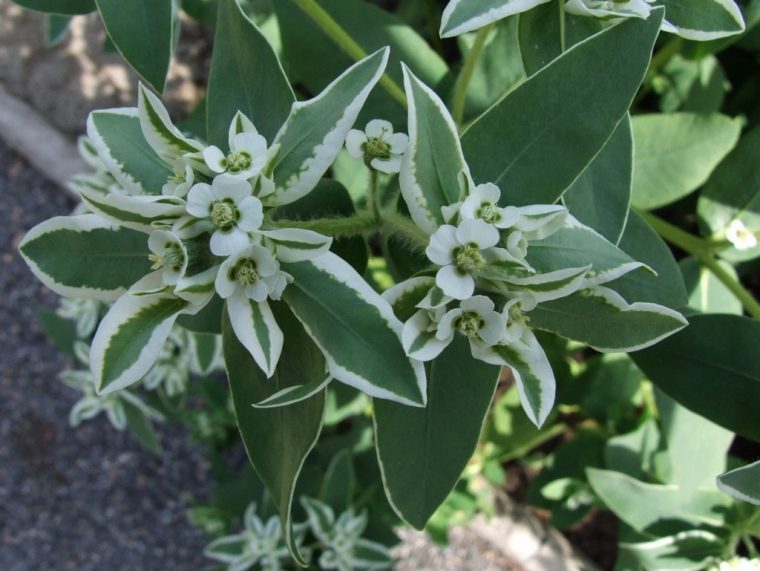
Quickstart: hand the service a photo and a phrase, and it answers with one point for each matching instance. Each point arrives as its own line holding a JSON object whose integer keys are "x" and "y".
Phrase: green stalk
{"x": 354, "y": 225}
{"x": 346, "y": 43}
{"x": 562, "y": 32}
{"x": 463, "y": 81}
{"x": 395, "y": 223}
{"x": 372, "y": 195}
{"x": 700, "y": 249}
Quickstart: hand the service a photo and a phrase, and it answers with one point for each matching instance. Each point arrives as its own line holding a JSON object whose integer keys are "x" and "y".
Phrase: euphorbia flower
{"x": 248, "y": 151}
{"x": 378, "y": 145}
{"x": 168, "y": 254}
{"x": 228, "y": 204}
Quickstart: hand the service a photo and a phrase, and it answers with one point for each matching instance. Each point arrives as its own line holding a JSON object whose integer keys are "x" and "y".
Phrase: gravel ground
{"x": 74, "y": 499}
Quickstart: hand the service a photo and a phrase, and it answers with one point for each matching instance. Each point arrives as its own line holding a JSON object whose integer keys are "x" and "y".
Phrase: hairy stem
{"x": 346, "y": 43}
{"x": 395, "y": 223}
{"x": 337, "y": 227}
{"x": 701, "y": 250}
{"x": 372, "y": 195}
{"x": 463, "y": 81}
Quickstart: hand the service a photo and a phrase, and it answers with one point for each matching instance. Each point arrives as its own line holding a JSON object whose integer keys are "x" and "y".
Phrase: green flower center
{"x": 173, "y": 257}
{"x": 488, "y": 212}
{"x": 376, "y": 148}
{"x": 244, "y": 272}
{"x": 468, "y": 258}
{"x": 224, "y": 213}
{"x": 469, "y": 323}
{"x": 237, "y": 161}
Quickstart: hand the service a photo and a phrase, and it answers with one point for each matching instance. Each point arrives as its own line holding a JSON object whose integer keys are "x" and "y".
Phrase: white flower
{"x": 483, "y": 204}
{"x": 378, "y": 145}
{"x": 418, "y": 336}
{"x": 180, "y": 183}
{"x": 248, "y": 151}
{"x": 252, "y": 273}
{"x": 463, "y": 251}
{"x": 740, "y": 236}
{"x": 610, "y": 8}
{"x": 228, "y": 204}
{"x": 739, "y": 564}
{"x": 168, "y": 253}
{"x": 172, "y": 368}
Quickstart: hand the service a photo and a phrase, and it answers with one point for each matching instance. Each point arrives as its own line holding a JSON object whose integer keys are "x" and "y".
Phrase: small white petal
{"x": 199, "y": 200}
{"x": 470, "y": 207}
{"x": 354, "y": 141}
{"x": 266, "y": 265}
{"x": 455, "y": 284}
{"x": 224, "y": 286}
{"x": 478, "y": 232}
{"x": 257, "y": 291}
{"x": 494, "y": 328}
{"x": 416, "y": 326}
{"x": 480, "y": 304}
{"x": 510, "y": 215}
{"x": 388, "y": 166}
{"x": 398, "y": 142}
{"x": 446, "y": 324}
{"x": 251, "y": 214}
{"x": 442, "y": 244}
{"x": 250, "y": 142}
{"x": 226, "y": 243}
{"x": 451, "y": 212}
{"x": 379, "y": 128}
{"x": 228, "y": 186}
{"x": 214, "y": 159}
{"x": 158, "y": 239}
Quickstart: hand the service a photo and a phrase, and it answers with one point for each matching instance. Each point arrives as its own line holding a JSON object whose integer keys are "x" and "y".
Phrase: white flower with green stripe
{"x": 379, "y": 147}
{"x": 181, "y": 181}
{"x": 232, "y": 210}
{"x": 168, "y": 255}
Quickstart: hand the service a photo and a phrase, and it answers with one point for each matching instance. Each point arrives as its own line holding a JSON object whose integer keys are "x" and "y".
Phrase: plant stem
{"x": 337, "y": 227}
{"x": 372, "y": 195}
{"x": 398, "y": 224}
{"x": 562, "y": 32}
{"x": 700, "y": 249}
{"x": 463, "y": 81}
{"x": 336, "y": 32}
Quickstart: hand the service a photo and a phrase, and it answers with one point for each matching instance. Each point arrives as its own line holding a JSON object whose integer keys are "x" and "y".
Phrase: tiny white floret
{"x": 379, "y": 147}
{"x": 741, "y": 237}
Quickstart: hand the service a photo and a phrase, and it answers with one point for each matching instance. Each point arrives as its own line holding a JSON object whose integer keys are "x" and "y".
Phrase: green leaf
{"x": 697, "y": 447}
{"x": 130, "y": 337}
{"x": 355, "y": 328}
{"x": 143, "y": 32}
{"x": 642, "y": 243}
{"x": 676, "y": 153}
{"x": 549, "y": 119}
{"x": 62, "y": 332}
{"x": 314, "y": 59}
{"x": 141, "y": 427}
{"x": 633, "y": 453}
{"x": 294, "y": 394}
{"x": 277, "y": 441}
{"x": 707, "y": 294}
{"x": 206, "y": 350}
{"x": 462, "y": 16}
{"x": 601, "y": 196}
{"x": 692, "y": 85}
{"x": 742, "y": 483}
{"x": 540, "y": 36}
{"x": 245, "y": 76}
{"x": 713, "y": 368}
{"x": 702, "y": 20}
{"x": 338, "y": 484}
{"x": 733, "y": 193}
{"x": 422, "y": 451}
{"x": 316, "y": 129}
{"x": 207, "y": 320}
{"x": 117, "y": 136}
{"x": 603, "y": 320}
{"x": 56, "y": 28}
{"x": 85, "y": 256}
{"x": 429, "y": 176}
{"x": 691, "y": 550}
{"x": 653, "y": 508}
{"x": 69, "y": 7}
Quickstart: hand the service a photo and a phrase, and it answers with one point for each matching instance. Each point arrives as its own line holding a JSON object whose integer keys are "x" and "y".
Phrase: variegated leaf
{"x": 602, "y": 319}
{"x": 553, "y": 285}
{"x": 116, "y": 136}
{"x": 166, "y": 140}
{"x": 290, "y": 395}
{"x": 131, "y": 335}
{"x": 140, "y": 213}
{"x": 533, "y": 375}
{"x": 574, "y": 245}
{"x": 256, "y": 328}
{"x": 297, "y": 244}
{"x": 405, "y": 296}
{"x": 85, "y": 256}
{"x": 431, "y": 166}
{"x": 702, "y": 20}
{"x": 316, "y": 129}
{"x": 462, "y": 16}
{"x": 355, "y": 328}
